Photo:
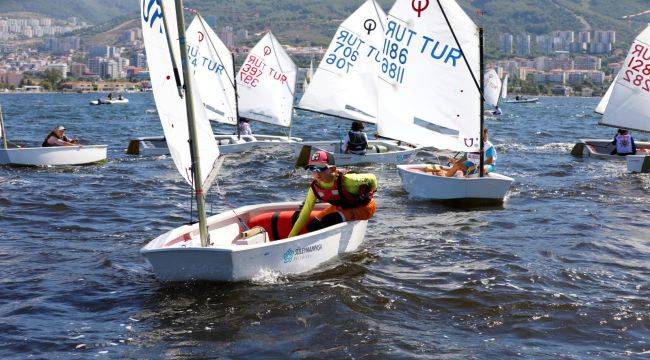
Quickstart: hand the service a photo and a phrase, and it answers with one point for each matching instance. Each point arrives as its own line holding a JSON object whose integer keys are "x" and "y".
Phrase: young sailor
{"x": 57, "y": 138}
{"x": 356, "y": 142}
{"x": 470, "y": 163}
{"x": 245, "y": 127}
{"x": 350, "y": 195}
{"x": 624, "y": 143}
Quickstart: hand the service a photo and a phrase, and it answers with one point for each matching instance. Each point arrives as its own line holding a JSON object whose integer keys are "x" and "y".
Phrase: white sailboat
{"x": 625, "y": 105}
{"x": 345, "y": 86}
{"x": 216, "y": 248}
{"x": 493, "y": 88}
{"x": 48, "y": 156}
{"x": 522, "y": 100}
{"x": 213, "y": 66}
{"x": 266, "y": 84}
{"x": 629, "y": 105}
{"x": 435, "y": 68}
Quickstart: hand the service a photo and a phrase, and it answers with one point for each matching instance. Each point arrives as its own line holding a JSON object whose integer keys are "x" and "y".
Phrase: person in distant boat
{"x": 110, "y": 96}
{"x": 57, "y": 138}
{"x": 350, "y": 195}
{"x": 624, "y": 143}
{"x": 497, "y": 111}
{"x": 517, "y": 98}
{"x": 356, "y": 142}
{"x": 244, "y": 127}
{"x": 119, "y": 97}
{"x": 470, "y": 163}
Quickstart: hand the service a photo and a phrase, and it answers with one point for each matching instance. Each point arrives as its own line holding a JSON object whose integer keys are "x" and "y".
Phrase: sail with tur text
{"x": 427, "y": 95}
{"x": 171, "y": 107}
{"x": 266, "y": 83}
{"x": 345, "y": 83}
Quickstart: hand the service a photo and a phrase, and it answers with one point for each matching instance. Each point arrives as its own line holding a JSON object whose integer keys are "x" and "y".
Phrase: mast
{"x": 481, "y": 148}
{"x": 2, "y": 130}
{"x": 177, "y": 77}
{"x": 234, "y": 71}
{"x": 194, "y": 146}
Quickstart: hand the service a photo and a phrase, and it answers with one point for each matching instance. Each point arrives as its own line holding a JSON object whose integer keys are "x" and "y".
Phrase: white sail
{"x": 629, "y": 105}
{"x": 266, "y": 83}
{"x": 213, "y": 71}
{"x": 504, "y": 87}
{"x": 602, "y": 105}
{"x": 345, "y": 83}
{"x": 428, "y": 96}
{"x": 171, "y": 107}
{"x": 492, "y": 88}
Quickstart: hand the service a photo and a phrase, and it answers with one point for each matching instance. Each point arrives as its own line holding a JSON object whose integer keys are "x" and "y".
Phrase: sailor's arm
{"x": 354, "y": 181}
{"x": 303, "y": 218}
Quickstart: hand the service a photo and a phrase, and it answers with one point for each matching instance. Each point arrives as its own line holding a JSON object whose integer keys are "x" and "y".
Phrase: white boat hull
{"x": 602, "y": 149}
{"x": 394, "y": 154}
{"x": 109, "y": 102}
{"x": 223, "y": 260}
{"x": 426, "y": 186}
{"x": 228, "y": 144}
{"x": 53, "y": 156}
{"x": 526, "y": 101}
{"x": 638, "y": 163}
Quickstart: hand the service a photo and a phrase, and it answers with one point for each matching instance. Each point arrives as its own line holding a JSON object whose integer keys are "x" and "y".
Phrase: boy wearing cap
{"x": 57, "y": 138}
{"x": 350, "y": 195}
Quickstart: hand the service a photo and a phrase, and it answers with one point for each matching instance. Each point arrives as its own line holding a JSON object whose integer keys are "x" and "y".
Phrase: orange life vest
{"x": 339, "y": 196}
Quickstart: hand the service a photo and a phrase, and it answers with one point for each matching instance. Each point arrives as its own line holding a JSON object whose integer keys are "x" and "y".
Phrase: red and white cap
{"x": 320, "y": 158}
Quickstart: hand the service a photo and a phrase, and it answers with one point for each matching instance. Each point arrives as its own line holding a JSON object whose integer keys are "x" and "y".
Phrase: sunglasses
{"x": 317, "y": 169}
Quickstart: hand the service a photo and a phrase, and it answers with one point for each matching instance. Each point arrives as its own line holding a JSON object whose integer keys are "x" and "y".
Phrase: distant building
{"x": 77, "y": 70}
{"x": 11, "y": 78}
{"x": 506, "y": 43}
{"x": 228, "y": 36}
{"x": 522, "y": 45}
{"x": 61, "y": 68}
{"x": 98, "y": 51}
{"x": 588, "y": 63}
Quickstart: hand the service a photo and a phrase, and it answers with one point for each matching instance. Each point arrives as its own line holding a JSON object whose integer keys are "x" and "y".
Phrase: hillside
{"x": 312, "y": 22}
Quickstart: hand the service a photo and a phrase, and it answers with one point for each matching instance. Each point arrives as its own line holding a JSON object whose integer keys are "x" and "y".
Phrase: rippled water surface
{"x": 561, "y": 271}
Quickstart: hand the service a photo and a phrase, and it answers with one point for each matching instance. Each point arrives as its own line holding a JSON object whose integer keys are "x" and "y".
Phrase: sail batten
{"x": 425, "y": 78}
{"x": 347, "y": 76}
{"x": 266, "y": 83}
{"x": 171, "y": 107}
{"x": 629, "y": 104}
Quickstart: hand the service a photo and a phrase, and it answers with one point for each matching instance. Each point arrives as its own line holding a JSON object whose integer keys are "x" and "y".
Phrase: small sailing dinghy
{"x": 108, "y": 101}
{"x": 522, "y": 100}
{"x": 345, "y": 86}
{"x": 239, "y": 244}
{"x": 626, "y": 105}
{"x": 263, "y": 90}
{"x": 48, "y": 156}
{"x": 436, "y": 69}
{"x": 629, "y": 105}
{"x": 493, "y": 89}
